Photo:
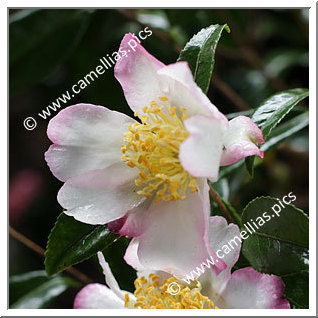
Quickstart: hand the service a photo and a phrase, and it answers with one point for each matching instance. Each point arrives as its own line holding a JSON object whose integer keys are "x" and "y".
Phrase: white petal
{"x": 101, "y": 196}
{"x": 224, "y": 238}
{"x": 178, "y": 85}
{"x": 86, "y": 137}
{"x": 174, "y": 237}
{"x": 131, "y": 256}
{"x": 145, "y": 79}
{"x": 111, "y": 280}
{"x": 248, "y": 288}
{"x": 97, "y": 296}
{"x": 137, "y": 74}
{"x": 200, "y": 154}
{"x": 241, "y": 140}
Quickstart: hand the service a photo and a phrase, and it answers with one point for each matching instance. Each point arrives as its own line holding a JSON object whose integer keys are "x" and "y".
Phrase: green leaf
{"x": 268, "y": 115}
{"x": 249, "y": 163}
{"x": 34, "y": 290}
{"x": 297, "y": 289}
{"x": 286, "y": 130}
{"x": 199, "y": 52}
{"x": 276, "y": 107}
{"x": 247, "y": 113}
{"x": 40, "y": 40}
{"x": 71, "y": 242}
{"x": 297, "y": 110}
{"x": 280, "y": 245}
{"x": 272, "y": 256}
{"x": 278, "y": 135}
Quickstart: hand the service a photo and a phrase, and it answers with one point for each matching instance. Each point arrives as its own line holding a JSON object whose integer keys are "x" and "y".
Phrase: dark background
{"x": 50, "y": 50}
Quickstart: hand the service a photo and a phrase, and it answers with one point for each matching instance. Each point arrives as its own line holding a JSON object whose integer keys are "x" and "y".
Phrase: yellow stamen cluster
{"x": 153, "y": 147}
{"x": 150, "y": 295}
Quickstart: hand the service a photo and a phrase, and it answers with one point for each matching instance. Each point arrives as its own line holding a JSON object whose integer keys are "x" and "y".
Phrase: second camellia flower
{"x": 147, "y": 178}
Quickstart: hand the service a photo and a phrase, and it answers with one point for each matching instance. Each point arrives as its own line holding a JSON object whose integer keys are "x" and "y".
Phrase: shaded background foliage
{"x": 50, "y": 50}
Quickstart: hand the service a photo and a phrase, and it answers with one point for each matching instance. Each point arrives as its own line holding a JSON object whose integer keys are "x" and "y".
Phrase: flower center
{"x": 150, "y": 295}
{"x": 153, "y": 147}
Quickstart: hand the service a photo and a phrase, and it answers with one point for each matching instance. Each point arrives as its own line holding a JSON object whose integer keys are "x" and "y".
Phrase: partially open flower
{"x": 148, "y": 177}
{"x": 245, "y": 288}
{"x": 149, "y": 294}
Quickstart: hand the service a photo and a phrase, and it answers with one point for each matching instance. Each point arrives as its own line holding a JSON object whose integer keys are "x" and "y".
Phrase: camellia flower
{"x": 148, "y": 177}
{"x": 148, "y": 294}
{"x": 244, "y": 288}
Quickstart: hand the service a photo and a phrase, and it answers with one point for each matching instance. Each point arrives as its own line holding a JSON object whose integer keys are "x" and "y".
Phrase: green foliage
{"x": 45, "y": 48}
{"x": 286, "y": 130}
{"x": 199, "y": 52}
{"x": 34, "y": 290}
{"x": 268, "y": 115}
{"x": 297, "y": 289}
{"x": 280, "y": 245}
{"x": 288, "y": 230}
{"x": 71, "y": 242}
{"x": 276, "y": 107}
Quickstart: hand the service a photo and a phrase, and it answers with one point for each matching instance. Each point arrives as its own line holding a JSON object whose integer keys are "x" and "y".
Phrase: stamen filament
{"x": 153, "y": 147}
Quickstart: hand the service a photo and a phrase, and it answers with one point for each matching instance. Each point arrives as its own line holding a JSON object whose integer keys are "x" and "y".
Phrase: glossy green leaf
{"x": 247, "y": 113}
{"x": 199, "y": 52}
{"x": 279, "y": 240}
{"x": 40, "y": 40}
{"x": 278, "y": 135}
{"x": 272, "y": 111}
{"x": 71, "y": 242}
{"x": 34, "y": 290}
{"x": 276, "y": 107}
{"x": 286, "y": 130}
{"x": 297, "y": 110}
{"x": 297, "y": 289}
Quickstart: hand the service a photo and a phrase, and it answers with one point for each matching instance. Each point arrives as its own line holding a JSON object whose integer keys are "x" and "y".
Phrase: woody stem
{"x": 221, "y": 205}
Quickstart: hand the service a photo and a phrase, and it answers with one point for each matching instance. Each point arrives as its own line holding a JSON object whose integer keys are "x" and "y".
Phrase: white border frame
{"x": 312, "y": 158}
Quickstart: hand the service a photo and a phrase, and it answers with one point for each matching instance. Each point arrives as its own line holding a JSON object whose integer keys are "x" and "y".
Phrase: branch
{"x": 221, "y": 205}
{"x": 38, "y": 249}
{"x": 229, "y": 93}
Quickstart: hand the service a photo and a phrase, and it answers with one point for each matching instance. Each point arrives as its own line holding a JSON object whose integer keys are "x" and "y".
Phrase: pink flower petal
{"x": 100, "y": 196}
{"x": 131, "y": 255}
{"x": 178, "y": 85}
{"x": 133, "y": 224}
{"x": 248, "y": 289}
{"x": 145, "y": 79}
{"x": 221, "y": 233}
{"x": 225, "y": 240}
{"x": 241, "y": 140}
{"x": 200, "y": 154}
{"x": 97, "y": 296}
{"x": 137, "y": 74}
{"x": 174, "y": 237}
{"x": 86, "y": 137}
